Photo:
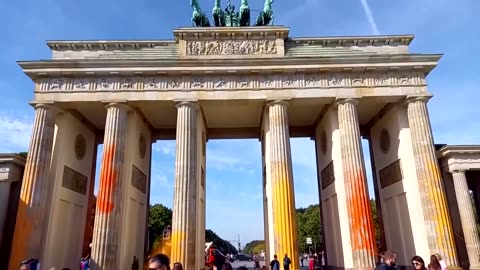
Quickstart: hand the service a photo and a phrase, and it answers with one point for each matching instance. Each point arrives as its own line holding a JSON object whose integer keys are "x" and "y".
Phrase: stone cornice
{"x": 198, "y": 33}
{"x": 13, "y": 158}
{"x": 455, "y": 150}
{"x": 420, "y": 62}
{"x": 218, "y": 33}
{"x": 94, "y": 45}
{"x": 349, "y": 41}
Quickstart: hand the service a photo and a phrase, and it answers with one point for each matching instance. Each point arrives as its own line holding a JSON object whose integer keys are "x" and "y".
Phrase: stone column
{"x": 106, "y": 234}
{"x": 29, "y": 227}
{"x": 432, "y": 195}
{"x": 362, "y": 235}
{"x": 467, "y": 216}
{"x": 184, "y": 198}
{"x": 283, "y": 195}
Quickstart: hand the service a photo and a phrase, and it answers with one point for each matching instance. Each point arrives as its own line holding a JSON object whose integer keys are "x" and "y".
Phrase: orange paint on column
{"x": 362, "y": 236}
{"x": 108, "y": 181}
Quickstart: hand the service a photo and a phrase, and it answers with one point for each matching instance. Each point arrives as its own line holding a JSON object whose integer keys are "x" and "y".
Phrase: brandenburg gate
{"x": 231, "y": 82}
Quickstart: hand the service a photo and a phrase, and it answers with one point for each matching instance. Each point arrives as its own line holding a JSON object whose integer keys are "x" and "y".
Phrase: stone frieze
{"x": 232, "y": 82}
{"x": 231, "y": 47}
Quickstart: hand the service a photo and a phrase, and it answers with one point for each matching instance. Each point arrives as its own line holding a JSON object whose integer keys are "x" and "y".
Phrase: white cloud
{"x": 165, "y": 147}
{"x": 15, "y": 134}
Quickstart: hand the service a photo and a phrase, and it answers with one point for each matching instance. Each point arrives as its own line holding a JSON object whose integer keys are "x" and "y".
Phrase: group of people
{"x": 389, "y": 262}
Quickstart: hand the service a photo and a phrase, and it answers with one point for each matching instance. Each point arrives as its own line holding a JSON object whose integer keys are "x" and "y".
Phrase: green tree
{"x": 160, "y": 216}
{"x": 308, "y": 225}
{"x": 222, "y": 245}
{"x": 255, "y": 246}
{"x": 376, "y": 224}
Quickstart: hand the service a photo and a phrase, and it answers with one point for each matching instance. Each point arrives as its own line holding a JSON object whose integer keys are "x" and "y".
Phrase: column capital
{"x": 353, "y": 101}
{"x": 283, "y": 102}
{"x": 192, "y": 104}
{"x": 119, "y": 105}
{"x": 457, "y": 171}
{"x": 411, "y": 99}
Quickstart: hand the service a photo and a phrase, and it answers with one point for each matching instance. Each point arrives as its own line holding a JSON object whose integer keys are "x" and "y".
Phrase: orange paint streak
{"x": 177, "y": 247}
{"x": 108, "y": 181}
{"x": 284, "y": 224}
{"x": 23, "y": 231}
{"x": 362, "y": 231}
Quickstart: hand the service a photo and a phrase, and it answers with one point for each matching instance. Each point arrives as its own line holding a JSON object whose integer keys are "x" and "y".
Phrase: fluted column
{"x": 467, "y": 217}
{"x": 106, "y": 234}
{"x": 33, "y": 195}
{"x": 283, "y": 195}
{"x": 362, "y": 235}
{"x": 434, "y": 204}
{"x": 184, "y": 198}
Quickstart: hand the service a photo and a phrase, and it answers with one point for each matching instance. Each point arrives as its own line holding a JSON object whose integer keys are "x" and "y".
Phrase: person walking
{"x": 389, "y": 258}
{"x": 275, "y": 264}
{"x": 434, "y": 263}
{"x": 418, "y": 263}
{"x": 286, "y": 262}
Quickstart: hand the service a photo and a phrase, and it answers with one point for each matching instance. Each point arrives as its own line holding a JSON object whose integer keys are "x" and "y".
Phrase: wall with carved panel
{"x": 334, "y": 209}
{"x": 135, "y": 184}
{"x": 71, "y": 171}
{"x": 398, "y": 187}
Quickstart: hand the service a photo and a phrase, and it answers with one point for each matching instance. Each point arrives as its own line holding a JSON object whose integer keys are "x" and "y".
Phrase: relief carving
{"x": 311, "y": 81}
{"x": 243, "y": 83}
{"x": 231, "y": 47}
{"x": 220, "y": 83}
{"x": 105, "y": 84}
{"x": 174, "y": 83}
{"x": 198, "y": 83}
{"x": 127, "y": 84}
{"x": 235, "y": 82}
{"x": 381, "y": 79}
{"x": 80, "y": 84}
{"x": 357, "y": 80}
{"x": 57, "y": 84}
{"x": 405, "y": 78}
{"x": 335, "y": 80}
{"x": 151, "y": 83}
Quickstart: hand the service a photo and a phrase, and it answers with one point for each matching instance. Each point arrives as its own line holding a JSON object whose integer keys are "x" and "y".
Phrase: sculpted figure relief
{"x": 231, "y": 47}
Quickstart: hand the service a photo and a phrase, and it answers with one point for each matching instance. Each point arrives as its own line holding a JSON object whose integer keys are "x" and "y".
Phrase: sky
{"x": 234, "y": 194}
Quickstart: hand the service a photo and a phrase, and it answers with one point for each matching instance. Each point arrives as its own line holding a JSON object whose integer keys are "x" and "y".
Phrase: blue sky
{"x": 234, "y": 204}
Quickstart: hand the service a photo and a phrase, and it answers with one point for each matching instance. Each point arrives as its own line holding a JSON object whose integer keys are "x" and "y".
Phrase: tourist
{"x": 418, "y": 263}
{"x": 159, "y": 262}
{"x": 311, "y": 262}
{"x": 388, "y": 263}
{"x": 177, "y": 266}
{"x": 256, "y": 262}
{"x": 441, "y": 261}
{"x": 301, "y": 260}
{"x": 275, "y": 264}
{"x": 286, "y": 262}
{"x": 434, "y": 263}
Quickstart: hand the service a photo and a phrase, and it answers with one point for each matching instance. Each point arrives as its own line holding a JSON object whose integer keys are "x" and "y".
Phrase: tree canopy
{"x": 222, "y": 245}
{"x": 254, "y": 247}
{"x": 161, "y": 217}
{"x": 308, "y": 226}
